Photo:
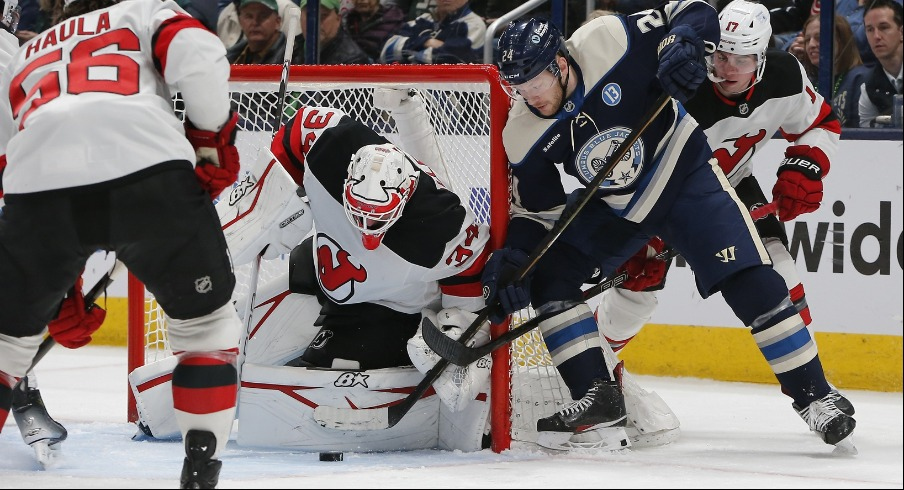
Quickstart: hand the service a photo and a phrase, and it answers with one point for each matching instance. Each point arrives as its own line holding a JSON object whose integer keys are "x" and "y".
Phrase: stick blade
{"x": 352, "y": 419}
{"x": 447, "y": 347}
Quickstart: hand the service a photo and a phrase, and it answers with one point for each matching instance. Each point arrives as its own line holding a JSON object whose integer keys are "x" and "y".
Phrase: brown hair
{"x": 79, "y": 7}
{"x": 847, "y": 55}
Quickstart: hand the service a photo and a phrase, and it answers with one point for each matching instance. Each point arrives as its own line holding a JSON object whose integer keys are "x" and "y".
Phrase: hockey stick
{"x": 462, "y": 355}
{"x": 99, "y": 288}
{"x": 384, "y": 417}
{"x": 293, "y": 17}
{"x": 764, "y": 210}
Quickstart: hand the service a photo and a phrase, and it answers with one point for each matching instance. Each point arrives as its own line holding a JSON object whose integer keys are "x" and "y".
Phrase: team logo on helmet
{"x": 600, "y": 149}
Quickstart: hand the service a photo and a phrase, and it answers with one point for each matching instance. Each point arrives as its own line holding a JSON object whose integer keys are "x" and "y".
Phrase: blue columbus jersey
{"x": 615, "y": 59}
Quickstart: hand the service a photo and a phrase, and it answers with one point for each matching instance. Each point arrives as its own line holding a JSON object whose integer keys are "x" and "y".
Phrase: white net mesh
{"x": 460, "y": 115}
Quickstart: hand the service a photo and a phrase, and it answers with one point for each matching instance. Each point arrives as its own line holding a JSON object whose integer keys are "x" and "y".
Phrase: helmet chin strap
{"x": 564, "y": 87}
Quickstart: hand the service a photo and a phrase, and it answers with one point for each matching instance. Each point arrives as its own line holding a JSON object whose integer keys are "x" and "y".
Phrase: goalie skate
{"x": 37, "y": 427}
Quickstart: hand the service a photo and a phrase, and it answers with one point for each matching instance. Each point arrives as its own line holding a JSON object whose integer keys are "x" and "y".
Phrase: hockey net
{"x": 467, "y": 108}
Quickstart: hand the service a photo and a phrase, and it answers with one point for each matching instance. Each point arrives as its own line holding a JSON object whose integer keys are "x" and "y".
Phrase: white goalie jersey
{"x": 435, "y": 246}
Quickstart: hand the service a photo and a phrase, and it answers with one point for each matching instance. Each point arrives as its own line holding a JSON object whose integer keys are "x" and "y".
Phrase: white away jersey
{"x": 89, "y": 100}
{"x": 436, "y": 245}
{"x": 783, "y": 101}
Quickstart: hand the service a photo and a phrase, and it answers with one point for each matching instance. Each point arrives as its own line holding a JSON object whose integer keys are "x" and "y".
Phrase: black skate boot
{"x": 831, "y": 418}
{"x": 596, "y": 421}
{"x": 39, "y": 430}
{"x": 198, "y": 469}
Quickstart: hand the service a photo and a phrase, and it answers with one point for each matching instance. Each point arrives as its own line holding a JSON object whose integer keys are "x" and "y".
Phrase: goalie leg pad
{"x": 651, "y": 421}
{"x": 205, "y": 388}
{"x": 276, "y": 408}
{"x": 283, "y": 324}
{"x": 152, "y": 388}
{"x": 457, "y": 386}
{"x": 264, "y": 210}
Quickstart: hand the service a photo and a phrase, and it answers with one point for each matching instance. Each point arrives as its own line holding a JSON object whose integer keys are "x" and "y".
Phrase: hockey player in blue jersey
{"x": 576, "y": 100}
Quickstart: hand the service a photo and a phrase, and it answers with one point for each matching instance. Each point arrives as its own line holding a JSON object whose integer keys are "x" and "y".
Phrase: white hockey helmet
{"x": 745, "y": 29}
{"x": 9, "y": 17}
{"x": 381, "y": 180}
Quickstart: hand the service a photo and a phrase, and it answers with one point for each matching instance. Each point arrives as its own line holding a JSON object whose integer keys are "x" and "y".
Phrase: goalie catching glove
{"x": 798, "y": 189}
{"x": 217, "y": 157}
{"x": 457, "y": 385}
{"x": 75, "y": 323}
{"x": 644, "y": 269}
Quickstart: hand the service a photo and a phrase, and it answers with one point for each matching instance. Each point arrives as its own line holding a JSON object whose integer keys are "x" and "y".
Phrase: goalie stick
{"x": 462, "y": 355}
{"x": 293, "y": 17}
{"x": 384, "y": 417}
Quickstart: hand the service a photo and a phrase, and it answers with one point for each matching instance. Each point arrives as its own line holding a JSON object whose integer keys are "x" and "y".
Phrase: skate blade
{"x": 48, "y": 454}
{"x": 608, "y": 439}
{"x": 652, "y": 439}
{"x": 845, "y": 447}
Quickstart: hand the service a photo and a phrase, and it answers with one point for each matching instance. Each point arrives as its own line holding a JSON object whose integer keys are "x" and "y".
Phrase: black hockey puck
{"x": 331, "y": 456}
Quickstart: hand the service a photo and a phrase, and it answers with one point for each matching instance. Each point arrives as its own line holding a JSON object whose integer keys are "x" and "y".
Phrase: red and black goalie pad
{"x": 798, "y": 189}
{"x": 205, "y": 382}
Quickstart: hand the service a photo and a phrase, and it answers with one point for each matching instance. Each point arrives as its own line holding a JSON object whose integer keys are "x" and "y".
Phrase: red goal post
{"x": 468, "y": 109}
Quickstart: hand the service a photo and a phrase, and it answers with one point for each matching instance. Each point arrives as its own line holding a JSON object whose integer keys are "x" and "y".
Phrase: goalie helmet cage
{"x": 467, "y": 108}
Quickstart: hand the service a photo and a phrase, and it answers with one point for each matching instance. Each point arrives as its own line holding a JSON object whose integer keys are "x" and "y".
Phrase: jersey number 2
{"x": 83, "y": 62}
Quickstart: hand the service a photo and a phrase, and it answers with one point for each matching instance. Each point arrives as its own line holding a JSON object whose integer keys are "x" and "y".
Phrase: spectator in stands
{"x": 262, "y": 43}
{"x": 882, "y": 20}
{"x": 229, "y": 30}
{"x": 203, "y": 10}
{"x": 452, "y": 33}
{"x": 788, "y": 22}
{"x": 336, "y": 46}
{"x": 848, "y": 70}
{"x": 369, "y": 24}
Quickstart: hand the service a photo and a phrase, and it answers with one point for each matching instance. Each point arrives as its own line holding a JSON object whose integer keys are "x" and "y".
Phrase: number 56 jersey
{"x": 90, "y": 99}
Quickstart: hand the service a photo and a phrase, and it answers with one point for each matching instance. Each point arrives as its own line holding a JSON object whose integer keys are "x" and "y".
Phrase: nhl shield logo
{"x": 743, "y": 109}
{"x": 600, "y": 149}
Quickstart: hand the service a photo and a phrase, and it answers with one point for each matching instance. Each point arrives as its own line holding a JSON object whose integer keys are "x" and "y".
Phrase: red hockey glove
{"x": 217, "y": 157}
{"x": 798, "y": 189}
{"x": 75, "y": 324}
{"x": 644, "y": 269}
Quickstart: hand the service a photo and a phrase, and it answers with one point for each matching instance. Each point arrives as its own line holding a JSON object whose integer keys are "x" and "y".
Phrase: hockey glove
{"x": 498, "y": 276}
{"x": 75, "y": 323}
{"x": 644, "y": 269}
{"x": 681, "y": 66}
{"x": 798, "y": 189}
{"x": 217, "y": 157}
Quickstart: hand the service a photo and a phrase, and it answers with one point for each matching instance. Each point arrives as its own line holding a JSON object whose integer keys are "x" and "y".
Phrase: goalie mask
{"x": 381, "y": 180}
{"x": 10, "y": 17}
{"x": 745, "y": 30}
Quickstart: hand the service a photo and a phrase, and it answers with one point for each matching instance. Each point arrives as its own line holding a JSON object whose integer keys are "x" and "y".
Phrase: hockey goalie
{"x": 376, "y": 244}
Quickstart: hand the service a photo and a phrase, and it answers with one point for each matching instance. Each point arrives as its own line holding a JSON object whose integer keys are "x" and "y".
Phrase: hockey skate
{"x": 198, "y": 469}
{"x": 37, "y": 427}
{"x": 596, "y": 421}
{"x": 831, "y": 418}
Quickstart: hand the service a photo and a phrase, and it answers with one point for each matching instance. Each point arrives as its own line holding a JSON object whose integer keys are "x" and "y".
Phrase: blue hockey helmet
{"x": 527, "y": 47}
